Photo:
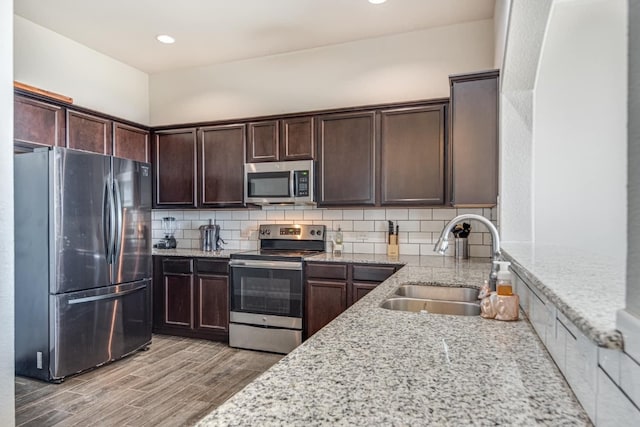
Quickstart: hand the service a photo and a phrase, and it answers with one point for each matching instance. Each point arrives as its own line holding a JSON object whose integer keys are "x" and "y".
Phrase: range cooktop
{"x": 287, "y": 242}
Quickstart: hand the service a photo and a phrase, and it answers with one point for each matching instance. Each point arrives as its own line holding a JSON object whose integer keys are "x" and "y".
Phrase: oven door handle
{"x": 278, "y": 265}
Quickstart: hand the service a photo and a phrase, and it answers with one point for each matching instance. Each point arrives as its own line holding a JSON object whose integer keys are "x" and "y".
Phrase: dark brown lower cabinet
{"x": 325, "y": 301}
{"x": 191, "y": 297}
{"x": 331, "y": 288}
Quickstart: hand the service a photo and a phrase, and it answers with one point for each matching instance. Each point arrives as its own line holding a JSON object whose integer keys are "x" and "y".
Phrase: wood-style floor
{"x": 175, "y": 383}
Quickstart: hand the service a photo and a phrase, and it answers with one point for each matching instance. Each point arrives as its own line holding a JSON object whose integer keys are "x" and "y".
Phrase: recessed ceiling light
{"x": 166, "y": 39}
{"x": 377, "y": 1}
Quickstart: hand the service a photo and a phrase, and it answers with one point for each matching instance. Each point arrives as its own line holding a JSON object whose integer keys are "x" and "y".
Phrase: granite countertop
{"x": 195, "y": 253}
{"x": 373, "y": 366}
{"x": 588, "y": 289}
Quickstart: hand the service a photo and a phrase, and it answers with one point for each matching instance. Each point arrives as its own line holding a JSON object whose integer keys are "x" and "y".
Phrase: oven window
{"x": 268, "y": 184}
{"x": 266, "y": 291}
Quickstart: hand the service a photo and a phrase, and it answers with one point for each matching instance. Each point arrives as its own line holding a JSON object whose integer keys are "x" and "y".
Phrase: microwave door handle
{"x": 292, "y": 184}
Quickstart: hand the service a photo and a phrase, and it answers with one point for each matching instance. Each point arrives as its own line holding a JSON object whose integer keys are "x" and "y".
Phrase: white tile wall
{"x": 365, "y": 230}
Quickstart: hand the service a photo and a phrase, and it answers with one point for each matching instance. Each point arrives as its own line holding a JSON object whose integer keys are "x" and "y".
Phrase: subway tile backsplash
{"x": 364, "y": 230}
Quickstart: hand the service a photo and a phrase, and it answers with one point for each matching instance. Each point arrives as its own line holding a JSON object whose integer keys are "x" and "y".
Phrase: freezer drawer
{"x": 90, "y": 328}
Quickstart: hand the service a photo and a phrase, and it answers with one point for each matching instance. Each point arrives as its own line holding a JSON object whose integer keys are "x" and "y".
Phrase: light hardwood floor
{"x": 175, "y": 383}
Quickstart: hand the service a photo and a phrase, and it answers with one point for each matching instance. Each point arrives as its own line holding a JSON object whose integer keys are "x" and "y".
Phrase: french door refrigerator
{"x": 83, "y": 261}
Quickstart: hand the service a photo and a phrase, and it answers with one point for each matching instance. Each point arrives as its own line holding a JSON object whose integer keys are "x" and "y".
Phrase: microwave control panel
{"x": 301, "y": 179}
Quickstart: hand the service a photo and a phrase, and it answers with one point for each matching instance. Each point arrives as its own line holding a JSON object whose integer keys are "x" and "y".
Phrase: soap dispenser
{"x": 504, "y": 285}
{"x": 337, "y": 243}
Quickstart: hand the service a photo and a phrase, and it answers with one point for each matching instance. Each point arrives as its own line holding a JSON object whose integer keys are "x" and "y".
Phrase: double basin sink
{"x": 434, "y": 299}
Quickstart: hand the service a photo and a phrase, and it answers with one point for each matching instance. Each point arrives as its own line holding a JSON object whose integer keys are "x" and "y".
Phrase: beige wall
{"x": 401, "y": 67}
{"x": 6, "y": 213}
{"x": 50, "y": 61}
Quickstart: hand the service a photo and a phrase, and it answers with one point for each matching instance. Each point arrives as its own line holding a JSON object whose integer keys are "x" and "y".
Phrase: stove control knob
{"x": 319, "y": 232}
{"x": 268, "y": 232}
{"x": 313, "y": 232}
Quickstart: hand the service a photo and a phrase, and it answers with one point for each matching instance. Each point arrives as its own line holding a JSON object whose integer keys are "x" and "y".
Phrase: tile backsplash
{"x": 364, "y": 230}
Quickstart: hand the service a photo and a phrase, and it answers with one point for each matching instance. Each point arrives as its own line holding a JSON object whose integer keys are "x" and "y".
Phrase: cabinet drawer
{"x": 327, "y": 271}
{"x": 177, "y": 266}
{"x": 212, "y": 266}
{"x": 373, "y": 273}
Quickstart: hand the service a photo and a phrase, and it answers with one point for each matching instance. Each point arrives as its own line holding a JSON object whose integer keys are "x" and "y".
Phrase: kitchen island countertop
{"x": 373, "y": 366}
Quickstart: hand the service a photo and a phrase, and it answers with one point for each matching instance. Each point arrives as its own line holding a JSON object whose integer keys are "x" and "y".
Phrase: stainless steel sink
{"x": 447, "y": 293}
{"x": 432, "y": 306}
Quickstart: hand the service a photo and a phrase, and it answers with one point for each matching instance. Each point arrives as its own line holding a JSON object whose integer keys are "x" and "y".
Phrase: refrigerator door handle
{"x": 107, "y": 296}
{"x": 118, "y": 217}
{"x": 107, "y": 223}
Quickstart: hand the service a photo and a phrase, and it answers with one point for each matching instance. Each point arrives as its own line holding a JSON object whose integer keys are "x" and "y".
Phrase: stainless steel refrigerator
{"x": 83, "y": 261}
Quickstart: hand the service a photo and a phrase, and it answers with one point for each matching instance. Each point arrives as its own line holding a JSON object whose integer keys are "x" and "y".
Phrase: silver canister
{"x": 461, "y": 247}
{"x": 209, "y": 236}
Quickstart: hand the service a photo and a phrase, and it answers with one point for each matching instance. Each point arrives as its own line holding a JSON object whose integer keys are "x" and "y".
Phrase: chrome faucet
{"x": 443, "y": 242}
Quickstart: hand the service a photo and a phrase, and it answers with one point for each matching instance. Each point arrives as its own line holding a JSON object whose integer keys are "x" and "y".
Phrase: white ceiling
{"x": 216, "y": 31}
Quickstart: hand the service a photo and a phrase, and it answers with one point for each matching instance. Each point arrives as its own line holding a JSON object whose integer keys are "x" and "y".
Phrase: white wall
{"x": 500, "y": 26}
{"x": 633, "y": 260}
{"x": 580, "y": 134}
{"x": 526, "y": 29}
{"x": 47, "y": 60}
{"x": 401, "y": 67}
{"x": 7, "y": 411}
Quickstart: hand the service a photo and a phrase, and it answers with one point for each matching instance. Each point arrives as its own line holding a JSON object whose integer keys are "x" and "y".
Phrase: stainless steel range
{"x": 267, "y": 288}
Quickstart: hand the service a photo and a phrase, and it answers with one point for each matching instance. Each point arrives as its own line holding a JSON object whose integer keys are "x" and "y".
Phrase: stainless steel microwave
{"x": 279, "y": 182}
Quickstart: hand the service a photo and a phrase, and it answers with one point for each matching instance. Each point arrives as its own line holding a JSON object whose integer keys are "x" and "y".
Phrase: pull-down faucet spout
{"x": 443, "y": 241}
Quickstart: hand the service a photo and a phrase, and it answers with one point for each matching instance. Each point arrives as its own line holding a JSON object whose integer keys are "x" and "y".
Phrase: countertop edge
{"x": 611, "y": 339}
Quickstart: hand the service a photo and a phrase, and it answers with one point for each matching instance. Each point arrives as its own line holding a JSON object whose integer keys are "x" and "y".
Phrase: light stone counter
{"x": 372, "y": 366}
{"x": 194, "y": 253}
{"x": 588, "y": 289}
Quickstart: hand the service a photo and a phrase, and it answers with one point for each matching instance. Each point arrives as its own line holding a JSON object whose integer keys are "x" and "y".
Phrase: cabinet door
{"x": 412, "y": 156}
{"x": 174, "y": 161}
{"x": 212, "y": 312}
{"x": 474, "y": 139}
{"x": 178, "y": 300}
{"x": 325, "y": 300}
{"x": 222, "y": 166}
{"x": 358, "y": 290}
{"x": 173, "y": 294}
{"x": 346, "y": 154}
{"x": 262, "y": 145}
{"x": 37, "y": 122}
{"x": 89, "y": 133}
{"x": 297, "y": 141}
{"x": 130, "y": 143}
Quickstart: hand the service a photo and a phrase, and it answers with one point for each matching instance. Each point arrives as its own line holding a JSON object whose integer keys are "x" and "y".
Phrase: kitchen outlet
{"x": 362, "y": 235}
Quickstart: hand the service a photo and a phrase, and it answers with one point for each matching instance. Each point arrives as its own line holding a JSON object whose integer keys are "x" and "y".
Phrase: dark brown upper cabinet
{"x": 297, "y": 139}
{"x": 221, "y": 165}
{"x": 174, "y": 161}
{"x": 262, "y": 143}
{"x": 131, "y": 143}
{"x": 89, "y": 133}
{"x": 346, "y": 159}
{"x": 412, "y": 156}
{"x": 38, "y": 123}
{"x": 280, "y": 140}
{"x": 474, "y": 139}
